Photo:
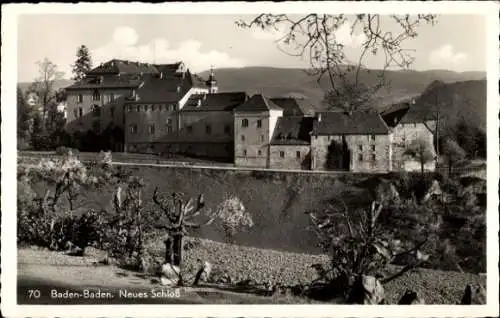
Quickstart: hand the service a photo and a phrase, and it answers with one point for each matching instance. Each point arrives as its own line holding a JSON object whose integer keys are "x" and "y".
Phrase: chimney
{"x": 318, "y": 116}
{"x": 199, "y": 102}
{"x": 161, "y": 75}
{"x": 178, "y": 89}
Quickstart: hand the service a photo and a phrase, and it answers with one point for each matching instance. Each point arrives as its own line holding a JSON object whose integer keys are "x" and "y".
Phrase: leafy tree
{"x": 233, "y": 216}
{"x": 43, "y": 87}
{"x": 453, "y": 153}
{"x": 421, "y": 150}
{"x": 314, "y": 37}
{"x": 24, "y": 117}
{"x": 83, "y": 63}
{"x": 470, "y": 138}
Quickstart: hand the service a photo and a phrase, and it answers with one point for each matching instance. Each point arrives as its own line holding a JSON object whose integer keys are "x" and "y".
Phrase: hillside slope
{"x": 466, "y": 99}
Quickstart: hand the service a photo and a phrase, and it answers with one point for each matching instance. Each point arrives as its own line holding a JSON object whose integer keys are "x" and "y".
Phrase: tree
{"x": 180, "y": 220}
{"x": 453, "y": 152}
{"x": 232, "y": 216}
{"x": 315, "y": 37}
{"x": 83, "y": 63}
{"x": 44, "y": 88}
{"x": 421, "y": 150}
{"x": 24, "y": 117}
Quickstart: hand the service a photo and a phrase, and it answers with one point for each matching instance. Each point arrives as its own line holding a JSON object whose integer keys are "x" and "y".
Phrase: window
{"x": 153, "y": 107}
{"x": 298, "y": 154}
{"x": 145, "y": 108}
{"x": 151, "y": 129}
{"x": 372, "y": 137}
{"x": 79, "y": 98}
{"x": 172, "y": 107}
{"x": 259, "y": 153}
{"x": 112, "y": 110}
{"x": 360, "y": 157}
{"x": 245, "y": 152}
{"x": 282, "y": 154}
{"x": 360, "y": 147}
{"x": 96, "y": 96}
{"x": 373, "y": 147}
{"x": 169, "y": 121}
{"x": 169, "y": 129}
{"x": 244, "y": 123}
{"x": 133, "y": 129}
{"x": 242, "y": 137}
{"x": 208, "y": 129}
{"x": 111, "y": 97}
{"x": 374, "y": 157}
{"x": 261, "y": 137}
{"x": 259, "y": 123}
{"x": 80, "y": 111}
{"x": 227, "y": 129}
{"x": 138, "y": 108}
{"x": 75, "y": 112}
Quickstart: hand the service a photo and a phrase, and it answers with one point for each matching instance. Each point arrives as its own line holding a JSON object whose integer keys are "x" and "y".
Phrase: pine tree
{"x": 83, "y": 63}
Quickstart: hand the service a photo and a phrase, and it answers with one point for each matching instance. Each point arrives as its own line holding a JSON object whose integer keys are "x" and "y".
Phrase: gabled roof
{"x": 417, "y": 114}
{"x": 341, "y": 123}
{"x": 215, "y": 102}
{"x": 292, "y": 130}
{"x": 257, "y": 103}
{"x": 294, "y": 106}
{"x": 156, "y": 89}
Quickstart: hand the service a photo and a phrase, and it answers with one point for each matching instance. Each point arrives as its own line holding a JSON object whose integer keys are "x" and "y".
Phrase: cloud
{"x": 124, "y": 45}
{"x": 267, "y": 34}
{"x": 343, "y": 36}
{"x": 446, "y": 55}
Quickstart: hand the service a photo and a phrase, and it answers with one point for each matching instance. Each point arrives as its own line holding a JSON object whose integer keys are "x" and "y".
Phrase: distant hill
{"x": 57, "y": 84}
{"x": 297, "y": 82}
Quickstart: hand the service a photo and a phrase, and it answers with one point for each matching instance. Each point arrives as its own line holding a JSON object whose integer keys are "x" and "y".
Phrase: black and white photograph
{"x": 216, "y": 154}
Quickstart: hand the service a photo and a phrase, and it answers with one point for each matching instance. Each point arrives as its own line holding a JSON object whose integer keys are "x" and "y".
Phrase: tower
{"x": 211, "y": 82}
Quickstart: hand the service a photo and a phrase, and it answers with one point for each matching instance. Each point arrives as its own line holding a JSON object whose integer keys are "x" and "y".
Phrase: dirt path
{"x": 47, "y": 277}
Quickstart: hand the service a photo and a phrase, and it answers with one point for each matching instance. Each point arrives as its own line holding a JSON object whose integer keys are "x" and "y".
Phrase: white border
{"x": 10, "y": 13}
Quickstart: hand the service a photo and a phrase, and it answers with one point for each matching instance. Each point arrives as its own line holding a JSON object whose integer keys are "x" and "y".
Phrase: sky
{"x": 455, "y": 42}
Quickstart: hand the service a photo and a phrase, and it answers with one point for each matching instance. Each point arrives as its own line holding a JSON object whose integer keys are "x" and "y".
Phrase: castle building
{"x": 164, "y": 109}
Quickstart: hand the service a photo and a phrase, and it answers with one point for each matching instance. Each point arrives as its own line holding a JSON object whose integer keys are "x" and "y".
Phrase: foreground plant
{"x": 180, "y": 220}
{"x": 359, "y": 252}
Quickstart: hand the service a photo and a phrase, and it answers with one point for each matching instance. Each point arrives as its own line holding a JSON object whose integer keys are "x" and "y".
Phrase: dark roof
{"x": 156, "y": 89}
{"x": 396, "y": 108}
{"x": 341, "y": 123}
{"x": 215, "y": 102}
{"x": 107, "y": 82}
{"x": 417, "y": 114}
{"x": 292, "y": 130}
{"x": 294, "y": 106}
{"x": 257, "y": 103}
{"x": 116, "y": 66}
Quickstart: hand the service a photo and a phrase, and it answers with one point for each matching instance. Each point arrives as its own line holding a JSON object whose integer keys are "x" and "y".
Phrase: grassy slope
{"x": 277, "y": 205}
